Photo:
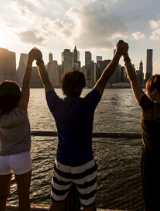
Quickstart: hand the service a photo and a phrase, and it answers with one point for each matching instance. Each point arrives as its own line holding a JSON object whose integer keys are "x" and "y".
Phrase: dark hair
{"x": 153, "y": 83}
{"x": 72, "y": 83}
{"x": 10, "y": 94}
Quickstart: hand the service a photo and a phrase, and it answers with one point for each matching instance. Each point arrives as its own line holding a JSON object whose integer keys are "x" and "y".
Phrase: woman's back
{"x": 14, "y": 132}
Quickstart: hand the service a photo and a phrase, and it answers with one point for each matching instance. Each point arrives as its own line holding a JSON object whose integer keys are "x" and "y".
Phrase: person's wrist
{"x": 125, "y": 56}
{"x": 126, "y": 59}
{"x": 39, "y": 61}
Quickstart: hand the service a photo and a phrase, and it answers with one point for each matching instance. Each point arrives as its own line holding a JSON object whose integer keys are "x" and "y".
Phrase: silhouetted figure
{"x": 15, "y": 138}
{"x": 150, "y": 121}
{"x": 74, "y": 163}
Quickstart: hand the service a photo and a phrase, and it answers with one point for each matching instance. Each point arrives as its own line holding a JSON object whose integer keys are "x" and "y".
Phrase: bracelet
{"x": 126, "y": 59}
{"x": 126, "y": 62}
{"x": 39, "y": 62}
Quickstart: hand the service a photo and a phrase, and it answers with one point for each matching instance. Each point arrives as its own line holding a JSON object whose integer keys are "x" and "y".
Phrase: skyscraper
{"x": 141, "y": 66}
{"x": 149, "y": 63}
{"x": 76, "y": 55}
{"x": 53, "y": 71}
{"x": 7, "y": 65}
{"x": 35, "y": 79}
{"x": 99, "y": 58}
{"x": 67, "y": 60}
{"x": 22, "y": 66}
{"x": 140, "y": 74}
{"x": 88, "y": 57}
{"x": 50, "y": 57}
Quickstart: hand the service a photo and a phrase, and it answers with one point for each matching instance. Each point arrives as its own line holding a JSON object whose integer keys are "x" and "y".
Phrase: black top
{"x": 150, "y": 122}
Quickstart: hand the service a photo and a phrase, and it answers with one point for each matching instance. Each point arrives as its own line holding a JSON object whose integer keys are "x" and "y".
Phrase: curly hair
{"x": 10, "y": 94}
{"x": 153, "y": 83}
{"x": 72, "y": 83}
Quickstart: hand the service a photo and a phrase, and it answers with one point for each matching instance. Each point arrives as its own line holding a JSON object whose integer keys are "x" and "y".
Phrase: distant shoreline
{"x": 84, "y": 88}
{"x": 109, "y": 86}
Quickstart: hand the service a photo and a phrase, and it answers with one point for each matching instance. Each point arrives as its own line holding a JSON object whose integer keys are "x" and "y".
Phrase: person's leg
{"x": 92, "y": 208}
{"x": 55, "y": 206}
{"x": 87, "y": 186}
{"x": 60, "y": 187}
{"x": 23, "y": 185}
{"x": 150, "y": 181}
{"x": 21, "y": 164}
{"x": 5, "y": 181}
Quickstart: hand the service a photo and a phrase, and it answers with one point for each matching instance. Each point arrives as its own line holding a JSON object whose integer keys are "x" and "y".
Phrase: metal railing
{"x": 70, "y": 203}
{"x": 94, "y": 134}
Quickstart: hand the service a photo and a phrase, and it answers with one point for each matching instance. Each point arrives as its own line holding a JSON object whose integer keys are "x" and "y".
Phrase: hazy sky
{"x": 92, "y": 25}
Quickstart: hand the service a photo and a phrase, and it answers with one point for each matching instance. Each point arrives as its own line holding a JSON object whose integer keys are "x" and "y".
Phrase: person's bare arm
{"x": 25, "y": 93}
{"x": 43, "y": 73}
{"x": 136, "y": 88}
{"x": 109, "y": 70}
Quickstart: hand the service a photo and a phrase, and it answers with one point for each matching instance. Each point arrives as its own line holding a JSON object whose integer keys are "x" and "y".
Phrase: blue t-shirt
{"x": 74, "y": 120}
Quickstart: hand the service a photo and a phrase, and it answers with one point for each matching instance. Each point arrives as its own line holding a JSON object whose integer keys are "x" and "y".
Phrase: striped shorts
{"x": 84, "y": 177}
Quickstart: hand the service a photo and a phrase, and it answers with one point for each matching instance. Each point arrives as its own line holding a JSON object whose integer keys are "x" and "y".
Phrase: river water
{"x": 119, "y": 180}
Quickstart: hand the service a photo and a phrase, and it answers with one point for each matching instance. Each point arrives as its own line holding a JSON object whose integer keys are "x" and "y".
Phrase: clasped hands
{"x": 35, "y": 54}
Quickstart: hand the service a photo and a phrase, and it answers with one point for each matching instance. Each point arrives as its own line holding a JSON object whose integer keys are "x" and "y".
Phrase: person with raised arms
{"x": 74, "y": 163}
{"x": 150, "y": 123}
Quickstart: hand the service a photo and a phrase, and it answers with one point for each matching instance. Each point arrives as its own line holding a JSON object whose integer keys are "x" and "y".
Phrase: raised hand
{"x": 34, "y": 54}
{"x": 122, "y": 48}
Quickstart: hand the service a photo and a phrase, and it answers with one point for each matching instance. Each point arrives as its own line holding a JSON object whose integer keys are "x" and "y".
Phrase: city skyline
{"x": 92, "y": 70}
{"x": 91, "y": 25}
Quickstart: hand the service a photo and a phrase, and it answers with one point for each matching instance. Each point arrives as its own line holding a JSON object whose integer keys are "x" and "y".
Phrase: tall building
{"x": 90, "y": 73}
{"x": 99, "y": 58}
{"x": 123, "y": 74}
{"x": 7, "y": 65}
{"x": 101, "y": 65}
{"x": 117, "y": 75}
{"x": 22, "y": 66}
{"x": 149, "y": 63}
{"x": 50, "y": 57}
{"x": 35, "y": 79}
{"x": 141, "y": 66}
{"x": 53, "y": 71}
{"x": 88, "y": 57}
{"x": 67, "y": 60}
{"x": 140, "y": 74}
{"x": 76, "y": 55}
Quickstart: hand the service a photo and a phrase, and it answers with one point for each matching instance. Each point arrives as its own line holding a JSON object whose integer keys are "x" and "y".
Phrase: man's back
{"x": 74, "y": 119}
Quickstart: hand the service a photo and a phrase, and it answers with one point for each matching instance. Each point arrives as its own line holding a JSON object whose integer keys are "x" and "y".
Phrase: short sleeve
{"x": 92, "y": 99}
{"x": 145, "y": 103}
{"x": 52, "y": 99}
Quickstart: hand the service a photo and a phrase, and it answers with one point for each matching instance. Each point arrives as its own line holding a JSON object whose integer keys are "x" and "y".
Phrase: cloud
{"x": 26, "y": 25}
{"x": 88, "y": 26}
{"x": 93, "y": 27}
{"x": 155, "y": 26}
{"x": 155, "y": 35}
{"x": 138, "y": 35}
{"x": 35, "y": 3}
{"x": 30, "y": 37}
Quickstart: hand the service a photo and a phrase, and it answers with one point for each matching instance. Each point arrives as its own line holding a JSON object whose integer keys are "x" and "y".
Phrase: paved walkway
{"x": 43, "y": 208}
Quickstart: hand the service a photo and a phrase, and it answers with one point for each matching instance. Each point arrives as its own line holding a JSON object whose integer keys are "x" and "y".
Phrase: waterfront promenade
{"x": 113, "y": 201}
{"x": 45, "y": 208}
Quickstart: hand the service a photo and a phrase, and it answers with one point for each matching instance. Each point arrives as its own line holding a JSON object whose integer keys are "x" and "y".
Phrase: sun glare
{"x": 1, "y": 40}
